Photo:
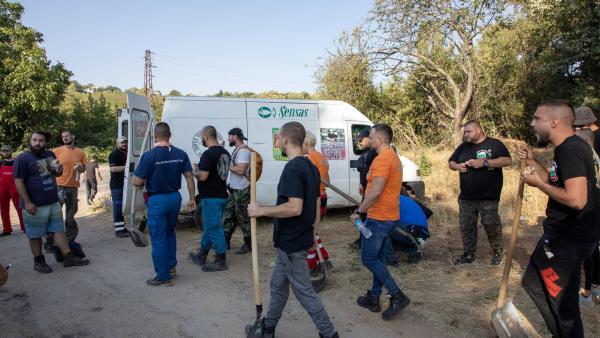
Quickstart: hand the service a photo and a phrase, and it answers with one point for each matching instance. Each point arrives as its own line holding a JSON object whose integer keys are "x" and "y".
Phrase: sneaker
{"x": 122, "y": 233}
{"x": 220, "y": 264}
{"x": 4, "y": 234}
{"x": 155, "y": 282}
{"x": 369, "y": 302}
{"x": 398, "y": 302}
{"x": 467, "y": 258}
{"x": 585, "y": 301}
{"x": 71, "y": 260}
{"x": 498, "y": 257}
{"x": 40, "y": 265}
{"x": 173, "y": 272}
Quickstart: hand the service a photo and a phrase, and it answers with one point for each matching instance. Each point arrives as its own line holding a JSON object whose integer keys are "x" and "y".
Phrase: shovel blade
{"x": 138, "y": 238}
{"x": 508, "y": 322}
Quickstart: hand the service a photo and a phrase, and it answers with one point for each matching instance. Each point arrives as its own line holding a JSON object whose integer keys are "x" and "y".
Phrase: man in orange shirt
{"x": 381, "y": 204}
{"x": 73, "y": 161}
{"x": 310, "y": 141}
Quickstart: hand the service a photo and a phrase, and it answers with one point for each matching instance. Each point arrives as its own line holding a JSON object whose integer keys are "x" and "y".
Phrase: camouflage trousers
{"x": 236, "y": 212}
{"x": 468, "y": 212}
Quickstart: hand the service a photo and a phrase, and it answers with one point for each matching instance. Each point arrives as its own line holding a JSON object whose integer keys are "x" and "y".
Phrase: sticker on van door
{"x": 277, "y": 156}
{"x": 197, "y": 145}
{"x": 333, "y": 143}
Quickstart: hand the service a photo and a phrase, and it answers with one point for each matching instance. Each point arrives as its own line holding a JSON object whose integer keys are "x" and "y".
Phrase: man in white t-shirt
{"x": 236, "y": 210}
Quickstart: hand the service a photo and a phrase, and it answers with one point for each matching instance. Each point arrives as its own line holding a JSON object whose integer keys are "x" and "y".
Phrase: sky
{"x": 200, "y": 47}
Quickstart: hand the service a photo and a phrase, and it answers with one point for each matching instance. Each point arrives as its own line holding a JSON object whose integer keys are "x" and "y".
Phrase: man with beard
{"x": 365, "y": 159}
{"x": 117, "y": 161}
{"x": 73, "y": 160}
{"x": 479, "y": 160}
{"x": 571, "y": 231}
{"x": 8, "y": 191}
{"x": 34, "y": 173}
{"x": 236, "y": 209}
{"x": 212, "y": 172}
{"x": 296, "y": 216}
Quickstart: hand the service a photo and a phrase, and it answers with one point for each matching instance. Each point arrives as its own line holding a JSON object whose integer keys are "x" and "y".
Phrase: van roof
{"x": 245, "y": 99}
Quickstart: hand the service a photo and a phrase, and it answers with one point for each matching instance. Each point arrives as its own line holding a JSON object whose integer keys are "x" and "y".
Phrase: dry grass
{"x": 456, "y": 301}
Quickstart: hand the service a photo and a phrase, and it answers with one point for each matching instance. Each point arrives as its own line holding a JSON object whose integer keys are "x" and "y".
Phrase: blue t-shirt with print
{"x": 162, "y": 168}
{"x": 36, "y": 173}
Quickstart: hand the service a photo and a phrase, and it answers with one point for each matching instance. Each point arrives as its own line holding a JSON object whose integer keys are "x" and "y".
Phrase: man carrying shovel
{"x": 571, "y": 229}
{"x": 295, "y": 218}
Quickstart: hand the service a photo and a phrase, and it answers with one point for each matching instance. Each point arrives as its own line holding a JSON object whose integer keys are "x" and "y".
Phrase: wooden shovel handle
{"x": 513, "y": 240}
{"x": 253, "y": 230}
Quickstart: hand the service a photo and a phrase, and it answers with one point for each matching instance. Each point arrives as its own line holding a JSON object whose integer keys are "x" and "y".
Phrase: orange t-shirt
{"x": 387, "y": 206}
{"x": 321, "y": 163}
{"x": 69, "y": 158}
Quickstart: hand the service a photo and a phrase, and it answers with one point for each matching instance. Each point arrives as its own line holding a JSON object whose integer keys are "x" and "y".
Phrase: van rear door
{"x": 140, "y": 117}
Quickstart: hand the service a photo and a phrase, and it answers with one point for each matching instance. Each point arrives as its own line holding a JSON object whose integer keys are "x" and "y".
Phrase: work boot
{"x": 156, "y": 282}
{"x": 258, "y": 329}
{"x": 40, "y": 265}
{"x": 199, "y": 257}
{"x": 76, "y": 249}
{"x": 58, "y": 255}
{"x": 397, "y": 303}
{"x": 335, "y": 335}
{"x": 72, "y": 260}
{"x": 467, "y": 258}
{"x": 220, "y": 264}
{"x": 246, "y": 248}
{"x": 369, "y": 302}
{"x": 498, "y": 257}
{"x": 122, "y": 233}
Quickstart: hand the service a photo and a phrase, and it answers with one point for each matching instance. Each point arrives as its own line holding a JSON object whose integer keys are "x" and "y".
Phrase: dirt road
{"x": 109, "y": 298}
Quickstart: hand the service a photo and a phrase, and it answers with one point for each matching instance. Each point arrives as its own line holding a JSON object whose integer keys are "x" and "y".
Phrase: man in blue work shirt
{"x": 160, "y": 169}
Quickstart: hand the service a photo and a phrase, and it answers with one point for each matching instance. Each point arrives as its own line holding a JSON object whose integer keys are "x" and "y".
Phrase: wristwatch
{"x": 486, "y": 163}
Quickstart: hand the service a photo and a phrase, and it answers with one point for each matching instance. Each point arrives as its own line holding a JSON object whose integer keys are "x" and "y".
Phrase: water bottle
{"x": 362, "y": 228}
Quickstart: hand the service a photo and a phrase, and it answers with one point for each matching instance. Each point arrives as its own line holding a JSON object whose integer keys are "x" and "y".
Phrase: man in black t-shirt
{"x": 571, "y": 229}
{"x": 479, "y": 160}
{"x": 117, "y": 161}
{"x": 211, "y": 173}
{"x": 295, "y": 217}
{"x": 365, "y": 159}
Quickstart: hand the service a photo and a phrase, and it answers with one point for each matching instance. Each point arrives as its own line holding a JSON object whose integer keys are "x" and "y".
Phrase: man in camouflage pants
{"x": 236, "y": 210}
{"x": 479, "y": 160}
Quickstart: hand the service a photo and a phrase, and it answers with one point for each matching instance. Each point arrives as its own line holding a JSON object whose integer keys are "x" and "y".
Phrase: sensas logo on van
{"x": 284, "y": 112}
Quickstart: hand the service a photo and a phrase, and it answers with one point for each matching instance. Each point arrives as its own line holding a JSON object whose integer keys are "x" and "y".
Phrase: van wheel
{"x": 198, "y": 218}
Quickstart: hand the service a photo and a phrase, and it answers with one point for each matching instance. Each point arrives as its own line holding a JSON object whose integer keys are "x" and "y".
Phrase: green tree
{"x": 31, "y": 87}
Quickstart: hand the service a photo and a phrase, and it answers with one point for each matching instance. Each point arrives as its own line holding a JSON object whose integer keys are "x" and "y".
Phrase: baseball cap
{"x": 363, "y": 134}
{"x": 6, "y": 147}
{"x": 239, "y": 133}
{"x": 584, "y": 115}
{"x": 121, "y": 139}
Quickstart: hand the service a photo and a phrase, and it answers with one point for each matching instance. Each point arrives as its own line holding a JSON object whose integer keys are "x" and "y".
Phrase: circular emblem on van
{"x": 197, "y": 146}
{"x": 266, "y": 112}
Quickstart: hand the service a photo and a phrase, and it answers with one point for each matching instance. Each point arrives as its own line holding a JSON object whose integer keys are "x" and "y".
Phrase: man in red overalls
{"x": 8, "y": 191}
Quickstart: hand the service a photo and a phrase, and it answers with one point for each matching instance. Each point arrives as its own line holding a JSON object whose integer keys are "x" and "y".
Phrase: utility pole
{"x": 148, "y": 89}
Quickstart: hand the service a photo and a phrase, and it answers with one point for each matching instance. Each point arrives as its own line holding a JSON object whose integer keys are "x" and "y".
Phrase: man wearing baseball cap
{"x": 365, "y": 159}
{"x": 236, "y": 209}
{"x": 117, "y": 161}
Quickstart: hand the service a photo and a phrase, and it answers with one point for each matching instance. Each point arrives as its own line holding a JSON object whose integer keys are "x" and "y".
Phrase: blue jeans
{"x": 117, "y": 203}
{"x": 163, "y": 210}
{"x": 372, "y": 255}
{"x": 212, "y": 219}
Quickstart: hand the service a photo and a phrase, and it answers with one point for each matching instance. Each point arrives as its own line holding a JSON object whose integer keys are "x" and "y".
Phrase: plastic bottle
{"x": 362, "y": 228}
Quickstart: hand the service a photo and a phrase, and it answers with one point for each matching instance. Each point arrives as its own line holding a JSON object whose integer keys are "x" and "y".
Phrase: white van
{"x": 335, "y": 123}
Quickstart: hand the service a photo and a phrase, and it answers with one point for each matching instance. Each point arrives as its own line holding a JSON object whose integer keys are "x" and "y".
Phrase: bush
{"x": 424, "y": 165}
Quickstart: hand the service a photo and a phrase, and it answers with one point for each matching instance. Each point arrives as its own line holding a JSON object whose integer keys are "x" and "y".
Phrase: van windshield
{"x": 356, "y": 129}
